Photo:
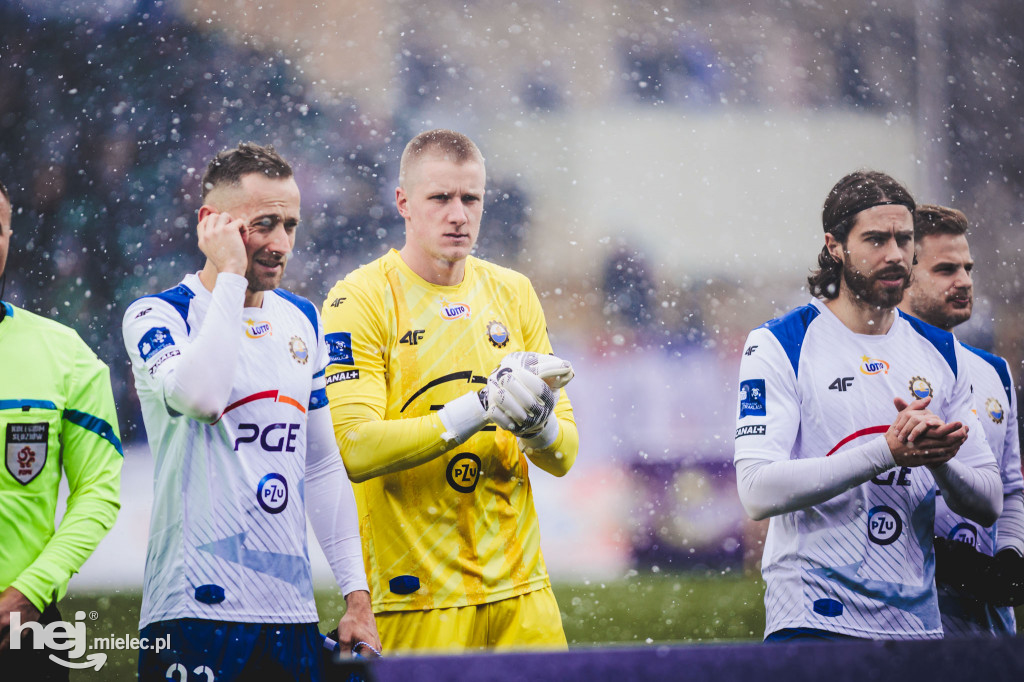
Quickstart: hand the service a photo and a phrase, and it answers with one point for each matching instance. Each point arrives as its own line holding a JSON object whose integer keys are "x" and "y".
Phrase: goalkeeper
{"x": 444, "y": 392}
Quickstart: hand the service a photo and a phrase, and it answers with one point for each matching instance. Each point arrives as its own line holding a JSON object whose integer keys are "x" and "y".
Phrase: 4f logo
{"x": 338, "y": 301}
{"x": 841, "y": 384}
{"x": 750, "y": 350}
{"x": 412, "y": 337}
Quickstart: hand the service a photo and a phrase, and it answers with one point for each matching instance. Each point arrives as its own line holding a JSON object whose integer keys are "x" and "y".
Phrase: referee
{"x": 56, "y": 411}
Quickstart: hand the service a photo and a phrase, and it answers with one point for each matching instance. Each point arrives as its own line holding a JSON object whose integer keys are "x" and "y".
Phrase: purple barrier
{"x": 952, "y": 660}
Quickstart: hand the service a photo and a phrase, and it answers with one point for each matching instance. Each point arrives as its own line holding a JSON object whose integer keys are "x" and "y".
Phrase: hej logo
{"x": 70, "y": 637}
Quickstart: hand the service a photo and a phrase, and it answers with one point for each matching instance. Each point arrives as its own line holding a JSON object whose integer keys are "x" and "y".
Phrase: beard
{"x": 869, "y": 290}
{"x": 264, "y": 281}
{"x": 942, "y": 311}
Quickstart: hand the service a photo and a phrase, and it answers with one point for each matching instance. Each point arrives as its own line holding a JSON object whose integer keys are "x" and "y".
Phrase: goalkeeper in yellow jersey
{"x": 444, "y": 392}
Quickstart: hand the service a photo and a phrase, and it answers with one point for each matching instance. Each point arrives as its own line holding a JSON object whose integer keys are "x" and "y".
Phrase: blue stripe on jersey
{"x": 318, "y": 399}
{"x": 942, "y": 340}
{"x": 8, "y": 308}
{"x": 98, "y": 426}
{"x": 180, "y": 298}
{"x": 320, "y": 373}
{"x": 26, "y": 404}
{"x": 999, "y": 364}
{"x": 307, "y": 308}
{"x": 790, "y": 330}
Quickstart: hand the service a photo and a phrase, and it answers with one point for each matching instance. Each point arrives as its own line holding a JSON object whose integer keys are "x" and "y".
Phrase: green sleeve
{"x": 92, "y": 457}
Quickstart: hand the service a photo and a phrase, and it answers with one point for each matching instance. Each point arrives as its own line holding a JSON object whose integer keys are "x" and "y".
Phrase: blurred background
{"x": 656, "y": 167}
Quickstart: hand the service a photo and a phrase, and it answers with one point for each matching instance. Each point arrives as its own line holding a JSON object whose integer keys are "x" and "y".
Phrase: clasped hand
{"x": 918, "y": 437}
{"x": 522, "y": 391}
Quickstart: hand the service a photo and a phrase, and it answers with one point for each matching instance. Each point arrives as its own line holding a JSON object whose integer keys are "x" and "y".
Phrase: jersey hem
{"x": 489, "y": 598}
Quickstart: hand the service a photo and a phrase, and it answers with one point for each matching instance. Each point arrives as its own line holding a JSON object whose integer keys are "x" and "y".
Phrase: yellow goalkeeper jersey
{"x": 459, "y": 528}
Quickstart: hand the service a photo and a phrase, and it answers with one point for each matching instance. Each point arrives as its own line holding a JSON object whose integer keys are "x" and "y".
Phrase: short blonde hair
{"x": 453, "y": 146}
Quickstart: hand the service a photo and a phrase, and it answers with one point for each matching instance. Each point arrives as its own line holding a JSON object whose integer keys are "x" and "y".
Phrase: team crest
{"x": 298, "y": 349}
{"x": 497, "y": 334}
{"x": 257, "y": 330}
{"x": 454, "y": 311}
{"x": 920, "y": 388}
{"x": 26, "y": 446}
{"x": 871, "y": 366}
{"x": 994, "y": 409}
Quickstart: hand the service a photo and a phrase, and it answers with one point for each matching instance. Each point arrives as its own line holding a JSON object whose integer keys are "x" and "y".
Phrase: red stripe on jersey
{"x": 857, "y": 434}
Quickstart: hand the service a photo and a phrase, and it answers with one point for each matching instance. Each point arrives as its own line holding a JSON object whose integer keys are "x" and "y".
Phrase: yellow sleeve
{"x": 559, "y": 457}
{"x": 357, "y": 338}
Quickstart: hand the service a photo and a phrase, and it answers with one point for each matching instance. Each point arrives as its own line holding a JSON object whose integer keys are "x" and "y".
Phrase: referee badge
{"x": 920, "y": 388}
{"x": 497, "y": 334}
{"x": 298, "y": 350}
{"x": 26, "y": 446}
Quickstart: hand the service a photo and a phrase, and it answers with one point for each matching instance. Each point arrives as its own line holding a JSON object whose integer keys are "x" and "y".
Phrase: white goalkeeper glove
{"x": 463, "y": 417}
{"x": 521, "y": 394}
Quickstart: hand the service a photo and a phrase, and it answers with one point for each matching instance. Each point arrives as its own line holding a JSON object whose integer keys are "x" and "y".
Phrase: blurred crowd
{"x": 106, "y": 127}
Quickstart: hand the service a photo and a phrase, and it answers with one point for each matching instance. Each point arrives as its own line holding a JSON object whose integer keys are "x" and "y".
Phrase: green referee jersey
{"x": 56, "y": 411}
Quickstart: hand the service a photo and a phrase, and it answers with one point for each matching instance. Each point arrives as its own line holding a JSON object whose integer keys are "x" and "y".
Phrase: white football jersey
{"x": 995, "y": 404}
{"x": 861, "y": 563}
{"x": 227, "y": 537}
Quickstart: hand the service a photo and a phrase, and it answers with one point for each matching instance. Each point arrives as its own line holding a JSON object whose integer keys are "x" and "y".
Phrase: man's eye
{"x": 265, "y": 223}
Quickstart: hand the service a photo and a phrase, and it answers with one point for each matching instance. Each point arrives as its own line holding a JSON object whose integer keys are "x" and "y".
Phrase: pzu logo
{"x": 463, "y": 472}
{"x": 277, "y": 437}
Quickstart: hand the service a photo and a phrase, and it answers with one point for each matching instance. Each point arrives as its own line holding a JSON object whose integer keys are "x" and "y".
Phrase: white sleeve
{"x": 971, "y": 491}
{"x": 769, "y": 488}
{"x": 194, "y": 375}
{"x": 970, "y": 482}
{"x": 1010, "y": 528}
{"x": 330, "y": 504}
{"x": 768, "y": 411}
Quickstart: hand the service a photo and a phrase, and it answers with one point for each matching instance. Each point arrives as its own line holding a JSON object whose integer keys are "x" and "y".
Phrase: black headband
{"x": 886, "y": 202}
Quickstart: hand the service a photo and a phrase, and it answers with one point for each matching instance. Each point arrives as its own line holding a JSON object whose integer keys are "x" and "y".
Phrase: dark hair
{"x": 231, "y": 165}
{"x": 930, "y": 219}
{"x": 3, "y": 191}
{"x": 454, "y": 146}
{"x": 856, "y": 192}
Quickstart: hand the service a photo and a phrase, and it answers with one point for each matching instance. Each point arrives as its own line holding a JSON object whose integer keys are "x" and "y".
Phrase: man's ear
{"x": 206, "y": 210}
{"x": 834, "y": 246}
{"x": 402, "y": 202}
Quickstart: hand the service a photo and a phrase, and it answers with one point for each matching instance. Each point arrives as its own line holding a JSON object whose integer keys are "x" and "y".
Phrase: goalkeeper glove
{"x": 520, "y": 396}
{"x": 1004, "y": 580}
{"x": 960, "y": 566}
{"x": 463, "y": 417}
{"x": 997, "y": 580}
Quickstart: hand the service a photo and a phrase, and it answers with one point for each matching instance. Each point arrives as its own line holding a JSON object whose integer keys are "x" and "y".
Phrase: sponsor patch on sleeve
{"x": 752, "y": 398}
{"x": 347, "y": 375}
{"x": 751, "y": 430}
{"x": 154, "y": 341}
{"x": 339, "y": 347}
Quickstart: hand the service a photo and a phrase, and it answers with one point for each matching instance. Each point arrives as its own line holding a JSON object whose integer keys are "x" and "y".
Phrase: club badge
{"x": 920, "y": 388}
{"x": 994, "y": 409}
{"x": 298, "y": 349}
{"x": 497, "y": 334}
